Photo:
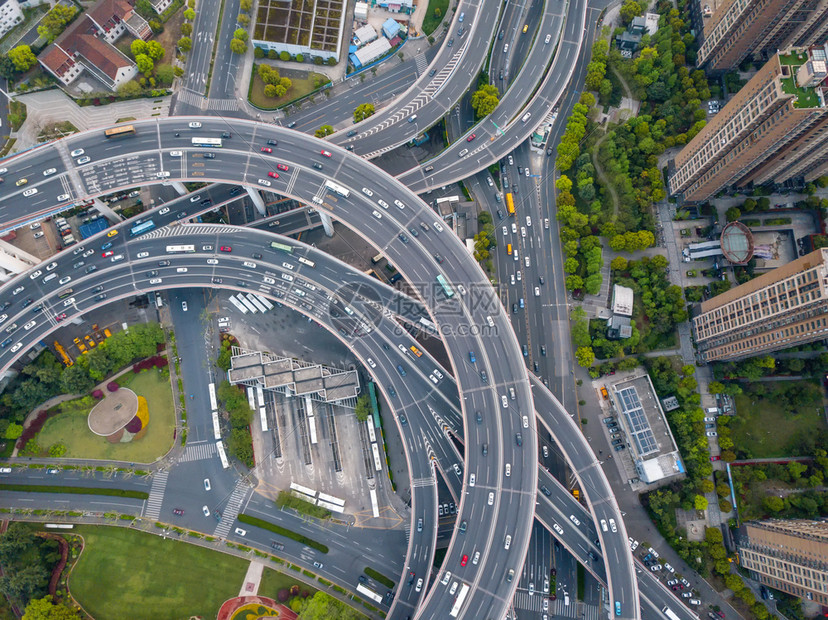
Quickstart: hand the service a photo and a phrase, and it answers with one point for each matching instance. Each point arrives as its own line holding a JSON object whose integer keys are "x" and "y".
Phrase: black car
{"x": 28, "y": 302}
{"x": 151, "y": 274}
{"x": 276, "y": 545}
{"x": 163, "y": 263}
{"x": 353, "y": 132}
{"x": 235, "y": 191}
{"x": 98, "y": 289}
{"x": 500, "y": 214}
{"x": 414, "y": 232}
{"x": 91, "y": 268}
{"x": 5, "y": 305}
{"x": 479, "y": 417}
{"x": 619, "y": 448}
{"x": 100, "y": 297}
{"x": 438, "y": 258}
{"x": 257, "y": 256}
{"x": 543, "y": 350}
{"x": 362, "y": 579}
{"x": 317, "y": 165}
{"x": 546, "y": 491}
{"x": 519, "y": 439}
{"x": 209, "y": 155}
{"x": 37, "y": 309}
{"x": 226, "y": 135}
{"x": 403, "y": 238}
{"x": 241, "y": 283}
{"x": 272, "y": 142}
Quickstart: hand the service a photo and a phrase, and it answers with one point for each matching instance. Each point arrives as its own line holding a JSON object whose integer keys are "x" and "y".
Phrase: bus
{"x": 307, "y": 262}
{"x": 119, "y": 131}
{"x": 265, "y": 302}
{"x": 510, "y": 203}
{"x": 141, "y": 228}
{"x": 239, "y": 306}
{"x": 282, "y": 246}
{"x": 377, "y": 461}
{"x": 458, "y": 602}
{"x": 337, "y": 188}
{"x": 211, "y": 390}
{"x": 65, "y": 293}
{"x": 368, "y": 592}
{"x": 216, "y": 426}
{"x": 213, "y": 143}
{"x": 445, "y": 286}
{"x": 670, "y": 613}
{"x": 222, "y": 454}
{"x": 253, "y": 309}
{"x": 180, "y": 249}
{"x": 259, "y": 305}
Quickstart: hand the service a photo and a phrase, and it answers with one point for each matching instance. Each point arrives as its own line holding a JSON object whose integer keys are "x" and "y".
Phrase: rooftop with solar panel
{"x": 651, "y": 444}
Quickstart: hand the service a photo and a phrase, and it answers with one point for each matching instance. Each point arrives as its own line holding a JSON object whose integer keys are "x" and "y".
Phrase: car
{"x": 107, "y": 254}
{"x": 463, "y": 153}
{"x": 273, "y": 175}
{"x": 377, "y": 214}
{"x": 402, "y": 237}
{"x": 438, "y": 258}
{"x": 105, "y": 246}
{"x": 471, "y": 137}
{"x": 537, "y": 291}
{"x": 419, "y": 585}
{"x": 716, "y": 458}
{"x": 206, "y": 511}
{"x": 176, "y": 153}
{"x": 38, "y": 234}
{"x": 30, "y": 192}
{"x": 194, "y": 125}
{"x": 63, "y": 197}
{"x": 282, "y": 167}
{"x": 240, "y": 531}
{"x": 508, "y": 469}
{"x": 326, "y": 153}
{"x": 64, "y": 280}
{"x": 264, "y": 182}
{"x": 77, "y": 152}
{"x": 112, "y": 233}
{"x": 84, "y": 160}
{"x": 20, "y": 182}
{"x": 267, "y": 149}
{"x": 178, "y": 512}
{"x": 208, "y": 155}
{"x": 712, "y": 434}
{"x": 613, "y": 526}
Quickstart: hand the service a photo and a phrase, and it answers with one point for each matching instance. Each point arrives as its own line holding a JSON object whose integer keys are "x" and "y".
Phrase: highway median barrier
{"x": 282, "y": 531}
{"x": 376, "y": 576}
{"x": 45, "y": 488}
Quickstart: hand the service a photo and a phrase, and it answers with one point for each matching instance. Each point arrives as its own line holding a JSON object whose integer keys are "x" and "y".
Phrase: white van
{"x": 712, "y": 410}
{"x": 526, "y": 117}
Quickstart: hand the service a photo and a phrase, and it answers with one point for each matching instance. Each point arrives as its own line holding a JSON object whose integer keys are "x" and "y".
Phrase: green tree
{"x": 629, "y": 10}
{"x": 75, "y": 380}
{"x": 240, "y": 33}
{"x": 258, "y": 52}
{"x": 237, "y": 46}
{"x": 55, "y": 21}
{"x": 243, "y": 19}
{"x": 14, "y": 431}
{"x": 45, "y": 609}
{"x": 155, "y": 50}
{"x": 138, "y": 46}
{"x": 145, "y": 9}
{"x": 7, "y": 68}
{"x": 584, "y": 356}
{"x": 186, "y": 29}
{"x": 707, "y": 486}
{"x": 363, "y": 408}
{"x": 164, "y": 74}
{"x": 700, "y": 502}
{"x": 322, "y": 606}
{"x": 240, "y": 446}
{"x": 189, "y": 15}
{"x": 619, "y": 263}
{"x": 733, "y": 214}
{"x": 145, "y": 64}
{"x": 22, "y": 57}
{"x": 270, "y": 90}
{"x": 246, "y": 5}
{"x": 363, "y": 111}
{"x": 284, "y": 56}
{"x": 324, "y": 130}
{"x": 185, "y": 43}
{"x": 485, "y": 100}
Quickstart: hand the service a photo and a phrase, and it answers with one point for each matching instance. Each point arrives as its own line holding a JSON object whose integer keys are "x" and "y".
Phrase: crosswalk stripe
{"x": 227, "y": 105}
{"x": 156, "y": 496}
{"x": 198, "y": 452}
{"x": 422, "y": 63}
{"x": 231, "y": 510}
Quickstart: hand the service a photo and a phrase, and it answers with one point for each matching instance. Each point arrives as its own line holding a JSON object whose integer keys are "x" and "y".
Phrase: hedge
{"x": 281, "y": 531}
{"x": 388, "y": 583}
{"x": 43, "y": 488}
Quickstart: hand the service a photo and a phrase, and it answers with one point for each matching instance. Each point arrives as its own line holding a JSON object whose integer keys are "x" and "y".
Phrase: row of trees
{"x": 27, "y": 562}
{"x": 363, "y": 111}
{"x": 235, "y": 403}
{"x": 55, "y": 21}
{"x": 45, "y": 377}
{"x": 284, "y": 56}
{"x": 185, "y": 43}
{"x": 767, "y": 366}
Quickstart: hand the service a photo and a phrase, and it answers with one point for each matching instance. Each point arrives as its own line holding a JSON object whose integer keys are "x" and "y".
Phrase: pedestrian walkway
{"x": 194, "y": 99}
{"x": 156, "y": 496}
{"x": 253, "y": 579}
{"x": 422, "y": 63}
{"x": 225, "y": 105}
{"x": 231, "y": 509}
{"x": 198, "y": 452}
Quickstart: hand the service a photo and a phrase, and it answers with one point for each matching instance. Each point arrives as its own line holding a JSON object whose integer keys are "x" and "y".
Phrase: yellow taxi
{"x": 112, "y": 233}
{"x": 21, "y": 182}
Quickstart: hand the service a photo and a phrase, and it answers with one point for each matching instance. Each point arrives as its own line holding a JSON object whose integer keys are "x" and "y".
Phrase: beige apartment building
{"x": 736, "y": 29}
{"x": 791, "y": 556}
{"x": 780, "y": 309}
{"x": 775, "y": 128}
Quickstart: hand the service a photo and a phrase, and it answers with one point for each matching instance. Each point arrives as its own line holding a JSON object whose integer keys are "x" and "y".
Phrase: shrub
{"x": 112, "y": 386}
{"x": 283, "y": 595}
{"x": 98, "y": 394}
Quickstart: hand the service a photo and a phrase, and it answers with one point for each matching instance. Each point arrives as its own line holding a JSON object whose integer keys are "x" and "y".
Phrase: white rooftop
{"x": 622, "y": 300}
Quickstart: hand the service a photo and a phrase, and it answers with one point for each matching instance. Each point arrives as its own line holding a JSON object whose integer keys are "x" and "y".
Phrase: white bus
{"x": 329, "y": 506}
{"x": 263, "y": 418}
{"x": 253, "y": 300}
{"x": 265, "y": 302}
{"x": 213, "y": 143}
{"x": 670, "y": 613}
{"x": 303, "y": 492}
{"x": 307, "y": 262}
{"x": 222, "y": 455}
{"x": 312, "y": 429}
{"x": 247, "y": 304}
{"x": 337, "y": 188}
{"x": 211, "y": 389}
{"x": 369, "y": 593}
{"x": 372, "y": 435}
{"x": 216, "y": 427}
{"x": 241, "y": 308}
{"x": 60, "y": 526}
{"x": 332, "y": 500}
{"x": 458, "y": 602}
{"x": 180, "y": 249}
{"x": 377, "y": 461}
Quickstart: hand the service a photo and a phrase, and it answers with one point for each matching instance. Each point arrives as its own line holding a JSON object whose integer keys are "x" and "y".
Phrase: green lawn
{"x": 762, "y": 431}
{"x": 128, "y": 574}
{"x": 273, "y": 581}
{"x": 431, "y": 22}
{"x": 70, "y": 427}
{"x": 299, "y": 88}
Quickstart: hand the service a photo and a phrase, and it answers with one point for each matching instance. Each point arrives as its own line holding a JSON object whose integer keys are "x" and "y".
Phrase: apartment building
{"x": 775, "y": 128}
{"x": 734, "y": 30}
{"x": 791, "y": 556}
{"x": 782, "y": 308}
{"x": 10, "y": 15}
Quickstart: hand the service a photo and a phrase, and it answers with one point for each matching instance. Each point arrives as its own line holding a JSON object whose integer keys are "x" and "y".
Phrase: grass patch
{"x": 286, "y": 499}
{"x": 301, "y": 87}
{"x": 388, "y": 583}
{"x": 281, "y": 531}
{"x": 17, "y": 114}
{"x": 45, "y": 488}
{"x": 70, "y": 426}
{"x": 56, "y": 130}
{"x": 431, "y": 22}
{"x": 273, "y": 581}
{"x": 6, "y": 148}
{"x": 762, "y": 429}
{"x": 166, "y": 579}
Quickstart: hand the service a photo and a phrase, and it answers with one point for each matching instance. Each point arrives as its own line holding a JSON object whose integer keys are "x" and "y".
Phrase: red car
{"x": 282, "y": 167}
{"x": 60, "y": 317}
{"x": 226, "y": 248}
{"x": 107, "y": 253}
{"x": 471, "y": 137}
{"x": 267, "y": 149}
{"x": 178, "y": 511}
{"x": 715, "y": 458}
{"x": 327, "y": 153}
{"x": 273, "y": 175}
{"x": 464, "y": 560}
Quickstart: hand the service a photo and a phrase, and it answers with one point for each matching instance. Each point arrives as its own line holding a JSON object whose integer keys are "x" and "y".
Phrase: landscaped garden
{"x": 299, "y": 88}
{"x": 124, "y": 573}
{"x": 70, "y": 426}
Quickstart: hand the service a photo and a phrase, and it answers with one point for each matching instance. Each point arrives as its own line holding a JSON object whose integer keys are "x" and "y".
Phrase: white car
{"x": 508, "y": 469}
{"x": 17, "y": 347}
{"x": 514, "y": 228}
{"x": 523, "y": 232}
{"x": 65, "y": 280}
{"x": 164, "y": 211}
{"x": 476, "y": 558}
{"x": 264, "y": 182}
{"x": 512, "y": 279}
{"x": 505, "y": 231}
{"x": 84, "y": 160}
{"x": 63, "y": 198}
{"x": 214, "y": 261}
{"x": 3, "y": 317}
{"x": 377, "y": 214}
{"x": 77, "y": 152}
{"x": 195, "y": 125}
{"x": 574, "y": 519}
{"x": 29, "y": 325}
{"x": 507, "y": 542}
{"x": 491, "y": 498}
{"x": 511, "y": 161}
{"x": 51, "y": 266}
{"x": 438, "y": 226}
{"x": 419, "y": 585}
{"x": 88, "y": 253}
{"x": 142, "y": 254}
{"x": 207, "y": 486}
{"x": 49, "y": 172}
{"x": 30, "y": 192}
{"x": 528, "y": 222}
{"x": 163, "y": 174}
{"x": 518, "y": 276}
{"x": 433, "y": 379}
{"x": 367, "y": 191}
{"x": 604, "y": 525}
{"x": 525, "y": 421}
{"x": 195, "y": 198}
{"x": 36, "y": 274}
{"x": 612, "y": 526}
{"x": 176, "y": 154}
{"x": 453, "y": 588}
{"x": 446, "y": 578}
{"x": 240, "y": 531}
{"x": 372, "y": 363}
{"x": 472, "y": 479}
{"x": 206, "y": 481}
{"x": 382, "y": 203}
{"x": 557, "y": 528}
{"x": 537, "y": 291}
{"x": 34, "y": 226}
{"x": 155, "y": 281}
{"x": 489, "y": 181}
{"x": 206, "y": 511}
{"x": 38, "y": 234}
